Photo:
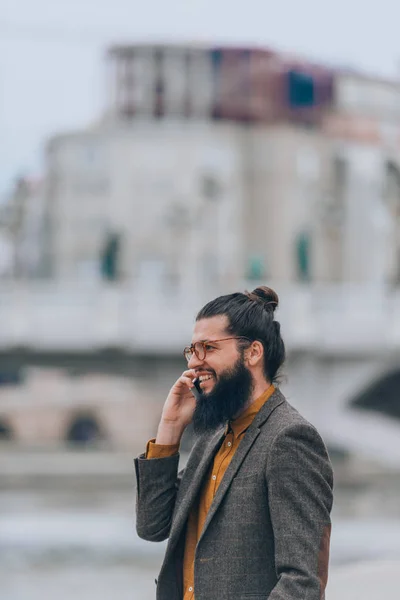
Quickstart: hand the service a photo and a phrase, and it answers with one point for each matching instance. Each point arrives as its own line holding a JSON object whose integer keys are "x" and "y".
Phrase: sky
{"x": 52, "y": 75}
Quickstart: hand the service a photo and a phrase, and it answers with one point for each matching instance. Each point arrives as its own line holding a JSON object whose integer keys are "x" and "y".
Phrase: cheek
{"x": 214, "y": 365}
{"x": 223, "y": 363}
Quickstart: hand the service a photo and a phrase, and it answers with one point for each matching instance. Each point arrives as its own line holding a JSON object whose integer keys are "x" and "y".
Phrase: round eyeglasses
{"x": 200, "y": 348}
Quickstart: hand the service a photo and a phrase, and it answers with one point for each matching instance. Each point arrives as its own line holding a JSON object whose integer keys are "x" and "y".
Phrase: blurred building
{"x": 214, "y": 165}
{"x": 213, "y": 169}
{"x": 22, "y": 230}
{"x": 52, "y": 407}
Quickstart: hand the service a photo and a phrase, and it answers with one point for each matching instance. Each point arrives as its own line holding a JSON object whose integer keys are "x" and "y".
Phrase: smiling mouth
{"x": 204, "y": 378}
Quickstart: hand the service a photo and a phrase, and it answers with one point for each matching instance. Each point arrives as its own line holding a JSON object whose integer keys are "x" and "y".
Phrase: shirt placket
{"x": 215, "y": 479}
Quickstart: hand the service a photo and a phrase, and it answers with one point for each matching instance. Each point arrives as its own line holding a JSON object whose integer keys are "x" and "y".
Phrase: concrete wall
{"x": 41, "y": 411}
{"x": 285, "y": 178}
{"x": 173, "y": 191}
{"x": 127, "y": 409}
{"x": 197, "y": 203}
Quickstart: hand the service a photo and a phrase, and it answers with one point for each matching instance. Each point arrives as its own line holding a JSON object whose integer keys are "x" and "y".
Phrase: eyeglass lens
{"x": 198, "y": 349}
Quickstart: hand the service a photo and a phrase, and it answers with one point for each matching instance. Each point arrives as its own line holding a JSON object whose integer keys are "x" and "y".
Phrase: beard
{"x": 226, "y": 400}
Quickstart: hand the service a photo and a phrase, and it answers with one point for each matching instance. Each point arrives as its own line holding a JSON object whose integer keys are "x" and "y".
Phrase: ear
{"x": 255, "y": 353}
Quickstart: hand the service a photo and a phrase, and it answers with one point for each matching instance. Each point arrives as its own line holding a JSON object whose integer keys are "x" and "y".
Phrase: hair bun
{"x": 265, "y": 295}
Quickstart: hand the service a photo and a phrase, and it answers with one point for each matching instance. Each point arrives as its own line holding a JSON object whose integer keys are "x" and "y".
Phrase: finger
{"x": 189, "y": 373}
{"x": 187, "y": 380}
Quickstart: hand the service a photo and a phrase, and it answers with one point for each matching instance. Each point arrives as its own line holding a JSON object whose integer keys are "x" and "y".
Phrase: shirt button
{"x": 190, "y": 589}
{"x": 214, "y": 477}
{"x": 229, "y": 444}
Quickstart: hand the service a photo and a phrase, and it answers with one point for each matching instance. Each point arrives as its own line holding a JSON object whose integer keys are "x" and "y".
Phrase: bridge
{"x": 328, "y": 319}
{"x": 341, "y": 340}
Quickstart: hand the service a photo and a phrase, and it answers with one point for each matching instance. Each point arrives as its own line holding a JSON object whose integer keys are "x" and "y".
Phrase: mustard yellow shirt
{"x": 234, "y": 433}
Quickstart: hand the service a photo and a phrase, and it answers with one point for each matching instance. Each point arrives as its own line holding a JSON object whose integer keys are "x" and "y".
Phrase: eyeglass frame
{"x": 192, "y": 350}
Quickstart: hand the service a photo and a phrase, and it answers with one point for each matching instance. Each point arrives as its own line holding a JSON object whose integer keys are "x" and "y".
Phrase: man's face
{"x": 225, "y": 381}
{"x": 220, "y": 356}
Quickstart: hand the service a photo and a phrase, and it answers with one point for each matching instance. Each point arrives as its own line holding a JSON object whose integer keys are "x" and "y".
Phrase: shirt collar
{"x": 243, "y": 422}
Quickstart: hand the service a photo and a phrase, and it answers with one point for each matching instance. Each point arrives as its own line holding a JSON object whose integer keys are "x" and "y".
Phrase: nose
{"x": 194, "y": 362}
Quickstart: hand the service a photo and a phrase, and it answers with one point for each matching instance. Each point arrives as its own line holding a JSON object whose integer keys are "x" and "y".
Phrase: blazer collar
{"x": 195, "y": 472}
{"x": 245, "y": 445}
{"x": 265, "y": 411}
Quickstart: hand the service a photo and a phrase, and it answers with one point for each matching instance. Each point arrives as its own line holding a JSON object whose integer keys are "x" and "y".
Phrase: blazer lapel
{"x": 191, "y": 484}
{"x": 245, "y": 445}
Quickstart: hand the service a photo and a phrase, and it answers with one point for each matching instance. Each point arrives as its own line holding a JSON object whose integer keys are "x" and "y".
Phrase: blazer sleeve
{"x": 157, "y": 484}
{"x": 300, "y": 496}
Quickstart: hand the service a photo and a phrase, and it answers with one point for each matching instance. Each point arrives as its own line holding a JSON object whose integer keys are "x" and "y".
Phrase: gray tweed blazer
{"x": 267, "y": 533}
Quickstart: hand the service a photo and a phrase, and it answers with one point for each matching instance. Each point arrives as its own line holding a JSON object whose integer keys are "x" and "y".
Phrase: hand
{"x": 180, "y": 403}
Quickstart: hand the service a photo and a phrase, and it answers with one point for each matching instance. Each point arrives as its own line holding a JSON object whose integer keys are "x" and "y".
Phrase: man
{"x": 249, "y": 517}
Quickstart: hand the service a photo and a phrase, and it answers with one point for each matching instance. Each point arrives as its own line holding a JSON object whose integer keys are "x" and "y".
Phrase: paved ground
{"x": 365, "y": 581}
{"x": 80, "y": 583}
{"x": 67, "y": 531}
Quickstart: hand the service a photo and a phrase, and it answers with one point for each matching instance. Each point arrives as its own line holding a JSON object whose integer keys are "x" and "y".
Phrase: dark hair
{"x": 251, "y": 314}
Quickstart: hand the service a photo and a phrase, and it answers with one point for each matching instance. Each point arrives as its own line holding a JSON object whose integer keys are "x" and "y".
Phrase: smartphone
{"x": 196, "y": 390}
